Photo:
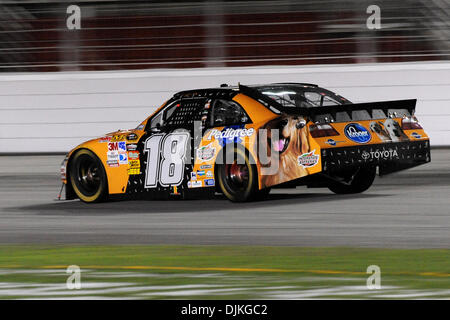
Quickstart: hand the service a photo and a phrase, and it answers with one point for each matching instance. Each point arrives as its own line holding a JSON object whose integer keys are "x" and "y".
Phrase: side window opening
{"x": 226, "y": 113}
{"x": 327, "y": 101}
{"x": 156, "y": 120}
{"x": 313, "y": 97}
{"x": 163, "y": 115}
{"x": 169, "y": 111}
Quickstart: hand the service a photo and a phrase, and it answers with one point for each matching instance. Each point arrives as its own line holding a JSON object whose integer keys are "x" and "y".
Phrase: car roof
{"x": 227, "y": 91}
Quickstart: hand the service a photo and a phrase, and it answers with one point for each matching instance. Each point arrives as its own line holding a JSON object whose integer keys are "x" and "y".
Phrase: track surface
{"x": 410, "y": 209}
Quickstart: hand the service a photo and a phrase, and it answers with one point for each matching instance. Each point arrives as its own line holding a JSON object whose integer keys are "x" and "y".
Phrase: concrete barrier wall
{"x": 53, "y": 112}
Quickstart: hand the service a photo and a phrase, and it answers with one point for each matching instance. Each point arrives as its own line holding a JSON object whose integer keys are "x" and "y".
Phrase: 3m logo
{"x": 113, "y": 146}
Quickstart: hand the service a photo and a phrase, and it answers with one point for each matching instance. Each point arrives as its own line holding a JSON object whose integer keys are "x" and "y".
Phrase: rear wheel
{"x": 238, "y": 180}
{"x": 356, "y": 182}
{"x": 88, "y": 176}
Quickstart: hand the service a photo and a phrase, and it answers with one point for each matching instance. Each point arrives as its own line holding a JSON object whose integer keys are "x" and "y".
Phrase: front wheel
{"x": 356, "y": 182}
{"x": 238, "y": 180}
{"x": 88, "y": 176}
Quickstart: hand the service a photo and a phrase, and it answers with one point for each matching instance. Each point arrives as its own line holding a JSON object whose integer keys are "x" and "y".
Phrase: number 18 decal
{"x": 165, "y": 159}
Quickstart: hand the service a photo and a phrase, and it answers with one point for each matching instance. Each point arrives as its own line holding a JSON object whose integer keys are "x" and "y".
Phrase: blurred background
{"x": 117, "y": 35}
{"x": 60, "y": 86}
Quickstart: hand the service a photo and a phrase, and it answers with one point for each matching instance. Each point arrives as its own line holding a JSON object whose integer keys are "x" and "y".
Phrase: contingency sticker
{"x": 309, "y": 159}
{"x": 117, "y": 151}
{"x": 195, "y": 184}
{"x": 118, "y": 137}
{"x": 134, "y": 167}
{"x": 206, "y": 153}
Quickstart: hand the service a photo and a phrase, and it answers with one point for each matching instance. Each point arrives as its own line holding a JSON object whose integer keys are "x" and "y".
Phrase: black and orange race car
{"x": 244, "y": 140}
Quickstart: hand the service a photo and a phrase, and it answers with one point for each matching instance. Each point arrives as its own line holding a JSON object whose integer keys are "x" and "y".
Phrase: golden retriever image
{"x": 287, "y": 139}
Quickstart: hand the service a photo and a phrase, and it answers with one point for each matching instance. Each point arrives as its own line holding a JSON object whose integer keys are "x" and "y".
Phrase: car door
{"x": 167, "y": 148}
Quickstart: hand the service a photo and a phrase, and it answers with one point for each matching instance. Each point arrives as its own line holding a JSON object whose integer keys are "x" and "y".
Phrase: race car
{"x": 244, "y": 140}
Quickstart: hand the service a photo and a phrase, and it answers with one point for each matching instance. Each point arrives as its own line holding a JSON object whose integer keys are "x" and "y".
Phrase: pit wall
{"x": 54, "y": 112}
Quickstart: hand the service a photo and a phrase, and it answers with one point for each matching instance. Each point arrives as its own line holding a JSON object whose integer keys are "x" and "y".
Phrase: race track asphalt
{"x": 410, "y": 209}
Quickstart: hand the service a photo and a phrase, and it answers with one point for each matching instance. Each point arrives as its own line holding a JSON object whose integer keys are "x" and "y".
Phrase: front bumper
{"x": 390, "y": 157}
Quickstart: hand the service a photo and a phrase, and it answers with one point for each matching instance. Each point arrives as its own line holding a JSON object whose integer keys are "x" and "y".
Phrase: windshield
{"x": 302, "y": 96}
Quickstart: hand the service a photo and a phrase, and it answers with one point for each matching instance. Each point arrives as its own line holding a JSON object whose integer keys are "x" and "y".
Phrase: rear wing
{"x": 339, "y": 113}
{"x": 361, "y": 111}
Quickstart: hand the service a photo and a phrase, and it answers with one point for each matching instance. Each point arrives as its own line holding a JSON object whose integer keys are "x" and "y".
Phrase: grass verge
{"x": 258, "y": 269}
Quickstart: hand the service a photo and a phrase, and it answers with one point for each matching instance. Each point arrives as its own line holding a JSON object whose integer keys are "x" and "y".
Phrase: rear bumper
{"x": 390, "y": 157}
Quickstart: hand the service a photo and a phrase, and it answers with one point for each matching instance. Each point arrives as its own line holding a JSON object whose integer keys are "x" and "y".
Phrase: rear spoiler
{"x": 362, "y": 111}
{"x": 345, "y": 112}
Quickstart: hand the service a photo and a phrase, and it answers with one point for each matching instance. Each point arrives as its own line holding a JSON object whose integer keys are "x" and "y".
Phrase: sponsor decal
{"x": 132, "y": 136}
{"x": 131, "y": 147}
{"x": 122, "y": 146}
{"x": 209, "y": 182}
{"x": 104, "y": 139}
{"x": 379, "y": 154}
{"x": 194, "y": 184}
{"x": 132, "y": 155}
{"x": 118, "y": 137}
{"x": 193, "y": 175}
{"x": 230, "y": 134}
{"x": 206, "y": 153}
{"x": 112, "y": 163}
{"x": 117, "y": 151}
{"x": 332, "y": 142}
{"x": 209, "y": 174}
{"x": 200, "y": 173}
{"x": 134, "y": 164}
{"x": 112, "y": 156}
{"x": 113, "y": 146}
{"x": 117, "y": 146}
{"x": 63, "y": 169}
{"x": 416, "y": 135}
{"x": 309, "y": 159}
{"x": 134, "y": 167}
{"x": 357, "y": 133}
{"x": 206, "y": 166}
{"x": 134, "y": 171}
{"x": 365, "y": 155}
{"x": 123, "y": 158}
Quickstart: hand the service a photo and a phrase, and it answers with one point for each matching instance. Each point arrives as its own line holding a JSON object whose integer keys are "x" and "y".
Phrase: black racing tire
{"x": 238, "y": 180}
{"x": 361, "y": 181}
{"x": 88, "y": 177}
